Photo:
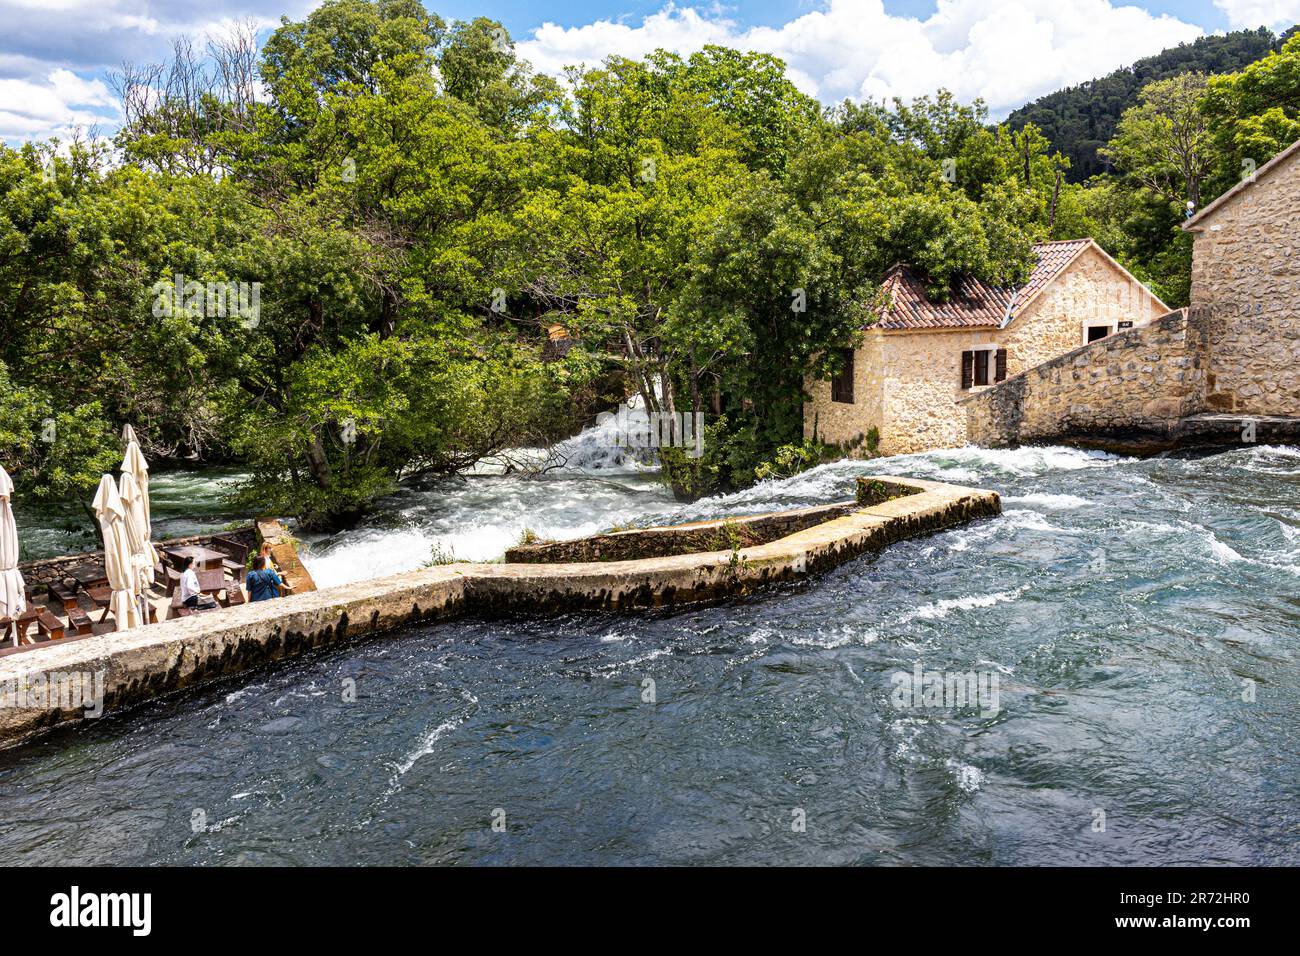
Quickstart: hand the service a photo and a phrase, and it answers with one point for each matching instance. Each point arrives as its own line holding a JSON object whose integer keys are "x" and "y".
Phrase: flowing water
{"x": 182, "y": 503}
{"x": 1141, "y": 618}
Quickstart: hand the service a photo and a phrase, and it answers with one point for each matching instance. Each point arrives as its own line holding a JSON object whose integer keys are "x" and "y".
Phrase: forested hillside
{"x": 1079, "y": 120}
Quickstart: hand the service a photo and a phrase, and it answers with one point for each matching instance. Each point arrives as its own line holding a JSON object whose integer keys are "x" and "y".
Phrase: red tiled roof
{"x": 974, "y": 303}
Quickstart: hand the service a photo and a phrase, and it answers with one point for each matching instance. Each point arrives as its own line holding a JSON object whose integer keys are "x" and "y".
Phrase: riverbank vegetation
{"x": 348, "y": 258}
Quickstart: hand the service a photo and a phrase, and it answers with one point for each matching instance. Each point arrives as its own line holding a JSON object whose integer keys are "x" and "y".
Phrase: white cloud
{"x": 37, "y": 109}
{"x": 55, "y": 53}
{"x": 1005, "y": 51}
{"x": 1278, "y": 14}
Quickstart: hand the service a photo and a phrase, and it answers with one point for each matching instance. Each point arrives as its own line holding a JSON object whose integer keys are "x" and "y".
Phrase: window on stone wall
{"x": 983, "y": 367}
{"x": 1096, "y": 332}
{"x": 842, "y": 384}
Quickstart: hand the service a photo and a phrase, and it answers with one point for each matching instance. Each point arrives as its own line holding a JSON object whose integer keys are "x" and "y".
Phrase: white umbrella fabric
{"x": 143, "y": 555}
{"x": 13, "y": 599}
{"x": 134, "y": 462}
{"x": 117, "y": 554}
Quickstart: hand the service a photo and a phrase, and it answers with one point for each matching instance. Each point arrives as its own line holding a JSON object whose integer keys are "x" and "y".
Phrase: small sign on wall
{"x": 1123, "y": 325}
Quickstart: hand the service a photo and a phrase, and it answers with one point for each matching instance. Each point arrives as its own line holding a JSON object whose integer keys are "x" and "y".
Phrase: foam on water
{"x": 1052, "y": 502}
{"x": 941, "y": 609}
{"x": 589, "y": 484}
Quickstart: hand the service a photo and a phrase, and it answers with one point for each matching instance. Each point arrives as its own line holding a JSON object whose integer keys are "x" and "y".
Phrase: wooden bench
{"x": 49, "y": 626}
{"x": 236, "y": 555}
{"x": 79, "y": 621}
{"x": 65, "y": 595}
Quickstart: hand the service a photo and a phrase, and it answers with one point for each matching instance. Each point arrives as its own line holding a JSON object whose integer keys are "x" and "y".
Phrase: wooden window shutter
{"x": 967, "y": 369}
{"x": 1000, "y": 370}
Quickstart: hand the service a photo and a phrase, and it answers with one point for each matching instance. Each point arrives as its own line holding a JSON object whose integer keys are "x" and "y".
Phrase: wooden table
{"x": 89, "y": 576}
{"x": 101, "y": 597}
{"x": 205, "y": 559}
{"x": 23, "y": 621}
{"x": 210, "y": 582}
{"x": 213, "y": 582}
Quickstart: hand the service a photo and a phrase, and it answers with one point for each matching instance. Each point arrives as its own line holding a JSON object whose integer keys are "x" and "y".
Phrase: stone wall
{"x": 922, "y": 383}
{"x": 634, "y": 543}
{"x": 1246, "y": 273}
{"x": 43, "y": 572}
{"x": 144, "y": 663}
{"x": 1139, "y": 383}
{"x": 725, "y": 534}
{"x": 839, "y": 423}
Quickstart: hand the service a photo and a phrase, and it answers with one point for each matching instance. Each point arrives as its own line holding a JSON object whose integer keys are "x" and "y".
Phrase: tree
{"x": 1079, "y": 120}
{"x": 1254, "y": 114}
{"x": 1163, "y": 143}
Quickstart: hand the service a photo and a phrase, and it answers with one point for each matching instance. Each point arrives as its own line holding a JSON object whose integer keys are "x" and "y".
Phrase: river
{"x": 1142, "y": 618}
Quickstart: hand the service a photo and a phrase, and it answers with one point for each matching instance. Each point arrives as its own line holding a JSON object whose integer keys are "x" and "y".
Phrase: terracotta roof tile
{"x": 974, "y": 303}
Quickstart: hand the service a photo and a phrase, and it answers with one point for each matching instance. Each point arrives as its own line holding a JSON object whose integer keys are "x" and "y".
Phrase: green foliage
{"x": 726, "y": 462}
{"x": 1187, "y": 138}
{"x": 789, "y": 460}
{"x": 1163, "y": 143}
{"x": 52, "y": 453}
{"x": 1079, "y": 120}
{"x": 416, "y": 207}
{"x": 1254, "y": 114}
{"x": 440, "y": 555}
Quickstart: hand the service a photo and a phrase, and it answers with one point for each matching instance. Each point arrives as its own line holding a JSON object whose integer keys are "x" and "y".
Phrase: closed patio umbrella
{"x": 143, "y": 556}
{"x": 13, "y": 600}
{"x": 117, "y": 554}
{"x": 135, "y": 496}
{"x": 133, "y": 462}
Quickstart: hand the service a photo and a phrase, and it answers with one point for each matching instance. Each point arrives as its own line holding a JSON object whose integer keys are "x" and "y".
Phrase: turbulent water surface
{"x": 1142, "y": 619}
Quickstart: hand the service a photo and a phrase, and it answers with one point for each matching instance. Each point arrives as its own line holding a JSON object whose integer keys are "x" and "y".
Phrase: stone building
{"x": 1224, "y": 372}
{"x": 922, "y": 357}
{"x": 1246, "y": 279}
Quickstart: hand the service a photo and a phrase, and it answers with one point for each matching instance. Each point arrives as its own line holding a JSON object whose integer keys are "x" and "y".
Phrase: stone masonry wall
{"x": 143, "y": 663}
{"x": 43, "y": 572}
{"x": 1141, "y": 382}
{"x": 842, "y": 423}
{"x": 922, "y": 383}
{"x": 1246, "y": 273}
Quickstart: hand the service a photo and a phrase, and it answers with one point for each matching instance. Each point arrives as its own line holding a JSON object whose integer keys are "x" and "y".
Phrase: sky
{"x": 56, "y": 55}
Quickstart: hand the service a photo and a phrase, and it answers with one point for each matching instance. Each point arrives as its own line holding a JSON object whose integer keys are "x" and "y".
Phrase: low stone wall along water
{"x": 139, "y": 665}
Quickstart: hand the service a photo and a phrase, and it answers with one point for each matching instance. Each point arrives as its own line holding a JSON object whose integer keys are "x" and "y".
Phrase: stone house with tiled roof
{"x": 921, "y": 357}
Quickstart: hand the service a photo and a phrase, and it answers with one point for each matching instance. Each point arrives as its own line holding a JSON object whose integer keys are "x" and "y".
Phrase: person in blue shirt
{"x": 263, "y": 583}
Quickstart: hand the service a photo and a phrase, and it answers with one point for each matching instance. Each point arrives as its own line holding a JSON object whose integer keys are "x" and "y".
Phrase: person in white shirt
{"x": 189, "y": 583}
